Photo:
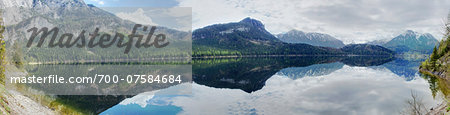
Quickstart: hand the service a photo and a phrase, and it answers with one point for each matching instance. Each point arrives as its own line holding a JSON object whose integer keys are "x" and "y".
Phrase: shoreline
{"x": 188, "y": 59}
{"x": 251, "y": 56}
{"x": 441, "y": 108}
{"x": 14, "y": 102}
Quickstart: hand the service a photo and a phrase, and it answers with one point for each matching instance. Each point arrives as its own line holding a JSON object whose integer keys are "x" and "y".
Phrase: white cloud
{"x": 179, "y": 18}
{"x": 140, "y": 99}
{"x": 100, "y": 2}
{"x": 178, "y": 12}
{"x": 348, "y": 20}
{"x": 137, "y": 16}
{"x": 350, "y": 90}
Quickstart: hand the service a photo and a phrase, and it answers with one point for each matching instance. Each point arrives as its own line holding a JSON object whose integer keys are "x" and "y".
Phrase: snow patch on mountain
{"x": 313, "y": 38}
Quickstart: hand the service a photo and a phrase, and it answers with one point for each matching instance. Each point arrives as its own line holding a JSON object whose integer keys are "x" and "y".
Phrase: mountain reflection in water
{"x": 250, "y": 74}
{"x": 301, "y": 85}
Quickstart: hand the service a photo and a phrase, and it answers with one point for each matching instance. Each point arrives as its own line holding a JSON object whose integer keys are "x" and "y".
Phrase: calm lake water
{"x": 289, "y": 85}
{"x": 305, "y": 85}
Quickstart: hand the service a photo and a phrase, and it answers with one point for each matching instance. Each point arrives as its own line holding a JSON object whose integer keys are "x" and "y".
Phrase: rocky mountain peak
{"x": 253, "y": 22}
{"x": 410, "y": 33}
{"x": 412, "y": 41}
{"x": 313, "y": 38}
{"x": 41, "y": 3}
{"x": 294, "y": 31}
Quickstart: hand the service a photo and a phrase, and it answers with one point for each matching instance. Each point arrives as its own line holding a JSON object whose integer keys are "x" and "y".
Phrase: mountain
{"x": 249, "y": 37}
{"x": 74, "y": 16}
{"x": 411, "y": 41}
{"x": 249, "y": 29}
{"x": 404, "y": 68}
{"x": 246, "y": 37}
{"x": 379, "y": 42}
{"x": 366, "y": 49}
{"x": 310, "y": 71}
{"x": 251, "y": 74}
{"x": 315, "y": 39}
{"x": 71, "y": 16}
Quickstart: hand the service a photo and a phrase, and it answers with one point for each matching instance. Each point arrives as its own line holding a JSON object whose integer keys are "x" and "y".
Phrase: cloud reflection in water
{"x": 349, "y": 90}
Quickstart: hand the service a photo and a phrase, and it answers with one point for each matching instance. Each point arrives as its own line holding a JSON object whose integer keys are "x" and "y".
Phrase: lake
{"x": 279, "y": 85}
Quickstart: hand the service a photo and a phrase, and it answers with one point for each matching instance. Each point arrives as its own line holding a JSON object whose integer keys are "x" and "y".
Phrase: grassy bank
{"x": 437, "y": 66}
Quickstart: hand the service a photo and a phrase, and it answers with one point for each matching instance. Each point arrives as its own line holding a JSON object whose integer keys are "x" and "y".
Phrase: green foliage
{"x": 2, "y": 62}
{"x": 2, "y": 54}
{"x": 438, "y": 56}
{"x": 442, "y": 50}
{"x": 435, "y": 55}
{"x": 3, "y": 102}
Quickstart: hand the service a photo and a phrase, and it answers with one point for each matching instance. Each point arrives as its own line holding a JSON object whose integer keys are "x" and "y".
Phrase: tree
{"x": 415, "y": 106}
{"x": 434, "y": 56}
{"x": 2, "y": 53}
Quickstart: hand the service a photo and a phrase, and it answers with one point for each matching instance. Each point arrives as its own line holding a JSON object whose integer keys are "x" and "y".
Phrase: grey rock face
{"x": 316, "y": 39}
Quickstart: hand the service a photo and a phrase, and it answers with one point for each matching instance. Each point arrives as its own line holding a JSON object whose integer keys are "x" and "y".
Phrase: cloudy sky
{"x": 353, "y": 21}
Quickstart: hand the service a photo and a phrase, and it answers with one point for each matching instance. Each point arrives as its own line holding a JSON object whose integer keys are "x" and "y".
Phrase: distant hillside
{"x": 249, "y": 37}
{"x": 411, "y": 41}
{"x": 310, "y": 71}
{"x": 315, "y": 39}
